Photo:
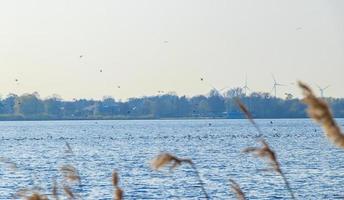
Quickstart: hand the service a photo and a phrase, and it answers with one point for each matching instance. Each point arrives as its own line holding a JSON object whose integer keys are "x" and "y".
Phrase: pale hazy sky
{"x": 220, "y": 40}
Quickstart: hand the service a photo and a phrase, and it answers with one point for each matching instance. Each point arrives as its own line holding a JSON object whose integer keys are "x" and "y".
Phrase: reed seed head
{"x": 118, "y": 194}
{"x": 115, "y": 178}
{"x": 165, "y": 159}
{"x": 37, "y": 196}
{"x": 265, "y": 152}
{"x": 319, "y": 110}
{"x": 70, "y": 173}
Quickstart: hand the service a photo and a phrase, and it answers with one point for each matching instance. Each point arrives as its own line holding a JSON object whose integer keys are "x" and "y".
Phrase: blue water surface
{"x": 313, "y": 166}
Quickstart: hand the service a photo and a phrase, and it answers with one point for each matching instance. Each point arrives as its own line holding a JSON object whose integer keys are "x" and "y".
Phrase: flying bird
{"x": 81, "y": 56}
{"x": 101, "y": 70}
{"x": 202, "y": 79}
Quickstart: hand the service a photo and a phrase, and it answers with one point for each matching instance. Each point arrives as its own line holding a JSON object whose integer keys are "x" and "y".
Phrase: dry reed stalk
{"x": 118, "y": 195}
{"x": 68, "y": 192}
{"x": 266, "y": 152}
{"x": 54, "y": 190}
{"x": 69, "y": 148}
{"x": 240, "y": 195}
{"x": 248, "y": 115}
{"x": 321, "y": 113}
{"x": 165, "y": 159}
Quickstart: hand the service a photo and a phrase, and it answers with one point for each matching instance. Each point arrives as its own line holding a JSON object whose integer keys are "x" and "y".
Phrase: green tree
{"x": 30, "y": 104}
{"x": 216, "y": 103}
{"x": 53, "y": 106}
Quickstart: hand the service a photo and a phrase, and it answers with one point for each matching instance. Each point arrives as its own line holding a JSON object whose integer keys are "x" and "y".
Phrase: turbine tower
{"x": 322, "y": 90}
{"x": 245, "y": 88}
{"x": 276, "y": 84}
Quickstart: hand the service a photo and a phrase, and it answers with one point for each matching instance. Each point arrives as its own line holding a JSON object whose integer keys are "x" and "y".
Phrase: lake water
{"x": 313, "y": 166}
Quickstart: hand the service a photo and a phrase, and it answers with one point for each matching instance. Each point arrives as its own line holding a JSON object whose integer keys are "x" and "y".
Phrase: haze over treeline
{"x": 213, "y": 105}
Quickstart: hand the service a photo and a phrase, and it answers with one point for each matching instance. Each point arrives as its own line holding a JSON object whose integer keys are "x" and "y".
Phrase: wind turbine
{"x": 322, "y": 90}
{"x": 276, "y": 84}
{"x": 245, "y": 86}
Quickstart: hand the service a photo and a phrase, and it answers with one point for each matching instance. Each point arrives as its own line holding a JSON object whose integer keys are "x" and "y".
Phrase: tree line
{"x": 213, "y": 105}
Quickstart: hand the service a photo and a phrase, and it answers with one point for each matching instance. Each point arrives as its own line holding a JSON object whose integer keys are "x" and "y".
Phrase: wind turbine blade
{"x": 223, "y": 88}
{"x": 278, "y": 84}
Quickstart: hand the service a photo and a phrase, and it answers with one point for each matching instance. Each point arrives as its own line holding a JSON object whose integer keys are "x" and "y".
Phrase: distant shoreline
{"x": 139, "y": 119}
{"x": 30, "y": 107}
